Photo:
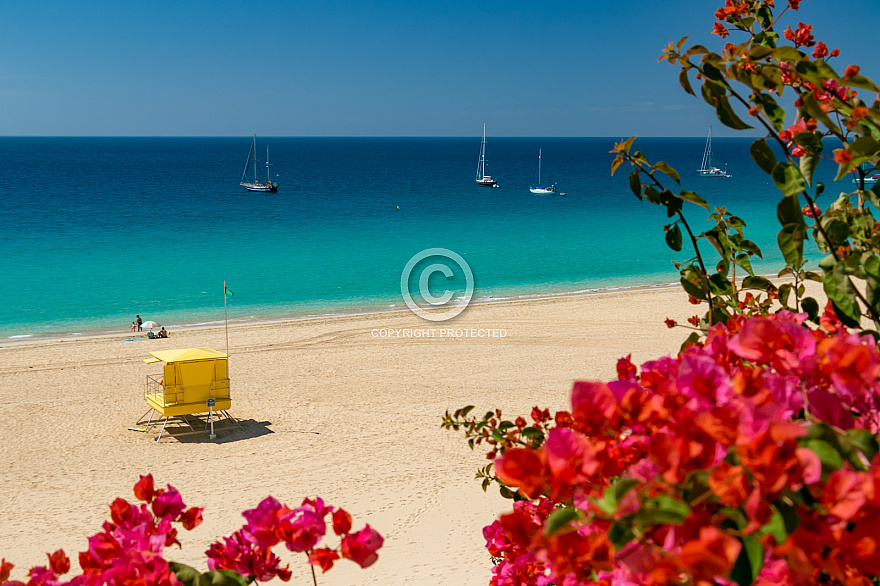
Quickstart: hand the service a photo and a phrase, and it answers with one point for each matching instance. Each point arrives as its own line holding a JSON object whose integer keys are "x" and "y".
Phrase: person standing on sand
{"x": 133, "y": 327}
{"x": 139, "y": 322}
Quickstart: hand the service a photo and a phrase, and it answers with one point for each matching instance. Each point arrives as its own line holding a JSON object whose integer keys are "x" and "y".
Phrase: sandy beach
{"x": 346, "y": 408}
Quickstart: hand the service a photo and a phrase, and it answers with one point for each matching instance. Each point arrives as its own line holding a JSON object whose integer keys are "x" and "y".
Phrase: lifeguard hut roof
{"x": 184, "y": 355}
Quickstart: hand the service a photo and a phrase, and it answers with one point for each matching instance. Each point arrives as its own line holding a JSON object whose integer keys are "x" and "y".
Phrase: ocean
{"x": 97, "y": 230}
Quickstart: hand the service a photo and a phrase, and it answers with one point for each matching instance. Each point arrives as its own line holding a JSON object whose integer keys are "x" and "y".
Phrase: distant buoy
{"x": 398, "y": 207}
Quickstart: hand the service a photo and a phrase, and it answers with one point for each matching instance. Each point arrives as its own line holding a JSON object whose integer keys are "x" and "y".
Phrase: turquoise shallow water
{"x": 96, "y": 230}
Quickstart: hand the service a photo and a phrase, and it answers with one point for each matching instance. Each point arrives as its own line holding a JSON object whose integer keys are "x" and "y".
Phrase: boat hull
{"x": 487, "y": 182}
{"x": 543, "y": 190}
{"x": 261, "y": 187}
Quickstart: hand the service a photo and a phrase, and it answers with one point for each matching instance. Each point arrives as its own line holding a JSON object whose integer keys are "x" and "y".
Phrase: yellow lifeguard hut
{"x": 193, "y": 380}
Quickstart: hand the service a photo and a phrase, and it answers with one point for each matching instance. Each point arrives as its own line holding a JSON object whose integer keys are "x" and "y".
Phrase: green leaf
{"x": 749, "y": 562}
{"x": 784, "y": 293}
{"x": 811, "y": 106}
{"x": 744, "y": 261}
{"x": 788, "y": 53}
{"x": 665, "y": 168}
{"x": 774, "y": 111}
{"x": 223, "y": 578}
{"x": 807, "y": 165}
{"x": 788, "y": 179}
{"x": 692, "y": 339}
{"x": 827, "y": 454}
{"x": 685, "y": 82}
{"x": 864, "y": 441}
{"x": 759, "y": 283}
{"x": 791, "y": 244}
{"x": 189, "y": 576}
{"x": 862, "y": 82}
{"x": 693, "y": 198}
{"x": 811, "y": 306}
{"x": 758, "y": 52}
{"x": 840, "y": 291}
{"x": 763, "y": 155}
{"x": 864, "y": 147}
{"x": 635, "y": 184}
{"x": 719, "y": 285}
{"x": 691, "y": 282}
{"x": 673, "y": 238}
{"x": 776, "y": 526}
{"x": 560, "y": 519}
{"x": 789, "y": 211}
{"x": 728, "y": 117}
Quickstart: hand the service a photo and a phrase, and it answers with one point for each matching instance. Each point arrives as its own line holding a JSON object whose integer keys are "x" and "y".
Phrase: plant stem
{"x": 703, "y": 273}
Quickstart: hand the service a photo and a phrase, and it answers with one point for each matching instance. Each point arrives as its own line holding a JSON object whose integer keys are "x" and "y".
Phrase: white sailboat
{"x": 268, "y": 186}
{"x": 482, "y": 178}
{"x": 541, "y": 189}
{"x": 869, "y": 177}
{"x": 707, "y": 169}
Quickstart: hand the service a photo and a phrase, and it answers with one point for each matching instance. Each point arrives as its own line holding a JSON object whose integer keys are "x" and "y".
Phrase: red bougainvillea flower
{"x": 143, "y": 489}
{"x": 820, "y": 51}
{"x": 802, "y": 37}
{"x": 361, "y": 547}
{"x": 522, "y": 468}
{"x": 59, "y": 563}
{"x": 341, "y": 522}
{"x": 842, "y": 156}
{"x": 711, "y": 555}
{"x": 323, "y": 557}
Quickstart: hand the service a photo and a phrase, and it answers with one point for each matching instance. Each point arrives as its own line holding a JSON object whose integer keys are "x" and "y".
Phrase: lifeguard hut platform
{"x": 193, "y": 380}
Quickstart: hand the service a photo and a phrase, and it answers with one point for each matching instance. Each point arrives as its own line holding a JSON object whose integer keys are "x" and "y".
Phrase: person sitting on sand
{"x": 163, "y": 333}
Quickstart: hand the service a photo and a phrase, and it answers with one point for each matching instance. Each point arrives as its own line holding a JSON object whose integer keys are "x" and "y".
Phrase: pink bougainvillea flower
{"x": 593, "y": 406}
{"x": 361, "y": 547}
{"x": 775, "y": 341}
{"x": 853, "y": 365}
{"x": 239, "y": 554}
{"x": 169, "y": 504}
{"x": 264, "y": 522}
{"x": 302, "y": 529}
{"x": 570, "y": 457}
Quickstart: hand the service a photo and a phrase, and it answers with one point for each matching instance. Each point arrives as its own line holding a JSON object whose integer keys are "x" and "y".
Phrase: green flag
{"x": 228, "y": 291}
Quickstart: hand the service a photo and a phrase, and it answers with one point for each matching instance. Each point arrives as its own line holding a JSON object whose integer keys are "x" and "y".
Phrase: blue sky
{"x": 369, "y": 68}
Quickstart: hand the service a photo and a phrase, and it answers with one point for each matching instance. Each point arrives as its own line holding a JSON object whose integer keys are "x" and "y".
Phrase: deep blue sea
{"x": 96, "y": 230}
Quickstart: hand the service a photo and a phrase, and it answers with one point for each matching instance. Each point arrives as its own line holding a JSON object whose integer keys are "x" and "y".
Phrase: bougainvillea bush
{"x": 751, "y": 457}
{"x": 130, "y": 548}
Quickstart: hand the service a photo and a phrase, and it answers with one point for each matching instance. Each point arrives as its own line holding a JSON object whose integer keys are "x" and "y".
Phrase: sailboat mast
{"x": 267, "y": 165}
{"x": 255, "y": 158}
{"x": 539, "y": 167}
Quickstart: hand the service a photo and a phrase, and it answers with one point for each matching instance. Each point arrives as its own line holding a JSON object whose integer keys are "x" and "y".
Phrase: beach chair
{"x": 193, "y": 381}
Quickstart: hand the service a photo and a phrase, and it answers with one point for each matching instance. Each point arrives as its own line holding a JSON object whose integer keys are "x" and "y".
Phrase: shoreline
{"x": 283, "y": 318}
{"x": 63, "y": 335}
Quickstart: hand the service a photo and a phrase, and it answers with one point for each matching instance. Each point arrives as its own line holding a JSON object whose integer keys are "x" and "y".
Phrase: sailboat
{"x": 482, "y": 178}
{"x": 255, "y": 185}
{"x": 869, "y": 177}
{"x": 707, "y": 169}
{"x": 540, "y": 189}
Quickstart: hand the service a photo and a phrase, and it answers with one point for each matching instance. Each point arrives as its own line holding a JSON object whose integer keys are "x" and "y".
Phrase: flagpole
{"x": 226, "y": 318}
